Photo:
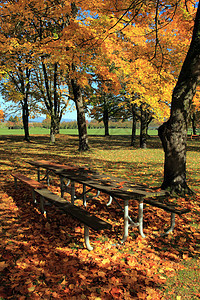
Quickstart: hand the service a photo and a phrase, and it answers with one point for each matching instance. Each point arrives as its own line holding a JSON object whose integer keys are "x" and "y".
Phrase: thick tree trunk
{"x": 173, "y": 133}
{"x": 25, "y": 116}
{"x": 133, "y": 135}
{"x": 82, "y": 127}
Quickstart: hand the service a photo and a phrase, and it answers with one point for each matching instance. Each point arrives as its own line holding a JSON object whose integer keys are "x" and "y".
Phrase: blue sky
{"x": 72, "y": 115}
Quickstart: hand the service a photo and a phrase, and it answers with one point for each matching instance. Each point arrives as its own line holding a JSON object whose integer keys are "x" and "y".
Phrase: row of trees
{"x": 124, "y": 56}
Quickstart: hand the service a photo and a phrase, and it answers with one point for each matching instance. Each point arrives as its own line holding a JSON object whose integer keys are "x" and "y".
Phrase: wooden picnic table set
{"x": 118, "y": 190}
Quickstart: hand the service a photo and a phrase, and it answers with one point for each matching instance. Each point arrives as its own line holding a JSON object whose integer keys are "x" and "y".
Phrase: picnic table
{"x": 117, "y": 188}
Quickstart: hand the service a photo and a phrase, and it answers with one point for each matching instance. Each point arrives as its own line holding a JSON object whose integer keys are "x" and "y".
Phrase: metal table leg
{"x": 125, "y": 221}
{"x": 140, "y": 215}
{"x": 86, "y": 238}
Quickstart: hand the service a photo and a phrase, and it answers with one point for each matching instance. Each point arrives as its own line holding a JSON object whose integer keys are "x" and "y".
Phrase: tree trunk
{"x": 143, "y": 128}
{"x": 106, "y": 119}
{"x": 194, "y": 123}
{"x": 133, "y": 135}
{"x": 173, "y": 133}
{"x": 82, "y": 127}
{"x": 55, "y": 127}
{"x": 25, "y": 115}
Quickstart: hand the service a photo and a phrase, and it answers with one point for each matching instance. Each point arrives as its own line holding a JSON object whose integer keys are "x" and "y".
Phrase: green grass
{"x": 181, "y": 286}
{"x": 98, "y": 131}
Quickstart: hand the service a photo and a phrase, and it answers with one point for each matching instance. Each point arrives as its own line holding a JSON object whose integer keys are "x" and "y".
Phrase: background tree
{"x": 47, "y": 80}
{"x": 16, "y": 88}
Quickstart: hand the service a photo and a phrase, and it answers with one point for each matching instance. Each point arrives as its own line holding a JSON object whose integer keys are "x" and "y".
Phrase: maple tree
{"x": 49, "y": 92}
{"x": 173, "y": 133}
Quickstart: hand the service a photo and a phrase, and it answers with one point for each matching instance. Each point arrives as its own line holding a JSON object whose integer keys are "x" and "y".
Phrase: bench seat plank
{"x": 170, "y": 207}
{"x": 77, "y": 212}
{"x": 31, "y": 182}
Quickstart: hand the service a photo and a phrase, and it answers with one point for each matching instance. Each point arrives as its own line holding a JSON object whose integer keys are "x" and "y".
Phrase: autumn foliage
{"x": 1, "y": 115}
{"x": 137, "y": 45}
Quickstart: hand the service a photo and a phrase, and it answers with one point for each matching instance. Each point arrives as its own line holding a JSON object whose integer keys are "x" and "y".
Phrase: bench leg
{"x": 171, "y": 228}
{"x": 33, "y": 196}
{"x": 42, "y": 210}
{"x": 86, "y": 238}
{"x": 140, "y": 216}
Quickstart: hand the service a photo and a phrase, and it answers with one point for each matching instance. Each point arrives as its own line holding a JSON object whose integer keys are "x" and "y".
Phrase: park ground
{"x": 45, "y": 258}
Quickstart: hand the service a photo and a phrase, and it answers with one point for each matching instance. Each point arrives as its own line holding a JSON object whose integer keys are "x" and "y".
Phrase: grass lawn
{"x": 45, "y": 258}
{"x": 98, "y": 131}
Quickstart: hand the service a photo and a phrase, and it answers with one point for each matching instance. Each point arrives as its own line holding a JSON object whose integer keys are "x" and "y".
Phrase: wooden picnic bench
{"x": 89, "y": 220}
{"x": 116, "y": 188}
{"x": 124, "y": 190}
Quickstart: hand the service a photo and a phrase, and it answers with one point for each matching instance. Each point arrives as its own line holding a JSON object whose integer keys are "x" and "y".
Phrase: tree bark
{"x": 133, "y": 135}
{"x": 143, "y": 128}
{"x": 82, "y": 127}
{"x": 173, "y": 133}
{"x": 52, "y": 101}
{"x": 106, "y": 118}
{"x": 54, "y": 129}
{"x": 25, "y": 116}
{"x": 194, "y": 124}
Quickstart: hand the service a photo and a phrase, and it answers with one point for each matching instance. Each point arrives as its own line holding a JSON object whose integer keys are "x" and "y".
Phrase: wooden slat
{"x": 31, "y": 182}
{"x": 50, "y": 165}
{"x": 77, "y": 212}
{"x": 51, "y": 196}
{"x": 85, "y": 217}
{"x": 168, "y": 207}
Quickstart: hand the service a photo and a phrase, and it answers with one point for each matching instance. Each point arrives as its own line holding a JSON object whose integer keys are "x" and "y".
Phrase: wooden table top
{"x": 113, "y": 186}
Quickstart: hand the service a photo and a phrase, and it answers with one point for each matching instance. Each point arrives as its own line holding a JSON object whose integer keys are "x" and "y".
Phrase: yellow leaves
{"x": 1, "y": 115}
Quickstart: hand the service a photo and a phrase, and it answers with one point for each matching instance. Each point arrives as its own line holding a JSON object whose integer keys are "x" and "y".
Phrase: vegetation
{"x": 45, "y": 257}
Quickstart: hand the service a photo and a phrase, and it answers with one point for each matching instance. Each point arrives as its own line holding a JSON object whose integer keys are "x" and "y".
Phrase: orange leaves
{"x": 1, "y": 115}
